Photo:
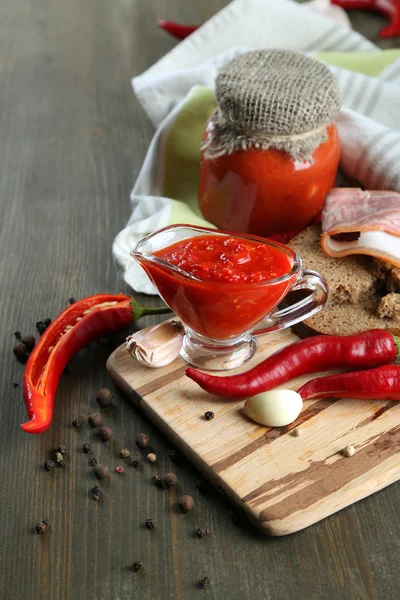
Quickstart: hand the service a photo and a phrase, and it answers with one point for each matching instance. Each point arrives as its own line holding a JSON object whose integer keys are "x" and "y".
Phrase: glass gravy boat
{"x": 220, "y": 317}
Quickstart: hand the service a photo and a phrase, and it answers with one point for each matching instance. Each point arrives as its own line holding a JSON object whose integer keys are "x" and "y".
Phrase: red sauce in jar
{"x": 228, "y": 283}
{"x": 266, "y": 192}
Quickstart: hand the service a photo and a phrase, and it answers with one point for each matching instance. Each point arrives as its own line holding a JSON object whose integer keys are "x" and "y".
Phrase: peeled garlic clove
{"x": 275, "y": 408}
{"x": 157, "y": 346}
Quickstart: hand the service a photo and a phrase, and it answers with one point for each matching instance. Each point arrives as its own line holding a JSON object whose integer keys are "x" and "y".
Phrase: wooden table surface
{"x": 73, "y": 138}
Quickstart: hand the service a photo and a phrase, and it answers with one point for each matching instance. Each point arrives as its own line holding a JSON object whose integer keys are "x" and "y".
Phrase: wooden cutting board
{"x": 284, "y": 483}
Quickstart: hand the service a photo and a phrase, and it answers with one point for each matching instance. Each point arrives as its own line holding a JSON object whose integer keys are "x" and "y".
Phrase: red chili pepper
{"x": 81, "y": 323}
{"x": 320, "y": 353}
{"x": 388, "y": 8}
{"x": 176, "y": 29}
{"x": 382, "y": 383}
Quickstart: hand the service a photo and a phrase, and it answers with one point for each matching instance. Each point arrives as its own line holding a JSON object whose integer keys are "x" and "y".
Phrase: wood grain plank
{"x": 73, "y": 139}
{"x": 283, "y": 483}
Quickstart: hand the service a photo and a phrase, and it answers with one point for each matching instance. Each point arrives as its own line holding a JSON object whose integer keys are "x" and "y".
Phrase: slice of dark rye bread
{"x": 362, "y": 291}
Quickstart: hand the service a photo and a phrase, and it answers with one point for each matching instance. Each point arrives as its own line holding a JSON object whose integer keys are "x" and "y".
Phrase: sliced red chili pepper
{"x": 81, "y": 323}
{"x": 382, "y": 383}
{"x": 177, "y": 29}
{"x": 388, "y": 8}
{"x": 363, "y": 350}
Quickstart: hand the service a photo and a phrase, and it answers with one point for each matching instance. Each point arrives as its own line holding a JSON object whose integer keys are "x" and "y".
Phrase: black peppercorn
{"x": 205, "y": 582}
{"x": 135, "y": 463}
{"x": 96, "y": 492}
{"x": 202, "y": 532}
{"x": 42, "y": 527}
{"x": 106, "y": 433}
{"x": 41, "y": 327}
{"x": 170, "y": 480}
{"x": 17, "y": 335}
{"x": 142, "y": 440}
{"x": 21, "y": 351}
{"x": 149, "y": 524}
{"x": 175, "y": 456}
{"x": 46, "y": 322}
{"x": 77, "y": 423}
{"x": 29, "y": 341}
{"x": 95, "y": 420}
{"x": 62, "y": 450}
{"x": 86, "y": 448}
{"x": 49, "y": 465}
{"x": 235, "y": 517}
{"x": 156, "y": 479}
{"x": 137, "y": 565}
{"x": 92, "y": 461}
{"x": 101, "y": 471}
{"x": 209, "y": 415}
{"x": 186, "y": 503}
{"x": 72, "y": 300}
{"x": 204, "y": 488}
{"x": 15, "y": 385}
{"x": 104, "y": 397}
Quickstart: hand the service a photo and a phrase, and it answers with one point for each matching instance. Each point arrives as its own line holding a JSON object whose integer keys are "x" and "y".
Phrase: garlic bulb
{"x": 157, "y": 346}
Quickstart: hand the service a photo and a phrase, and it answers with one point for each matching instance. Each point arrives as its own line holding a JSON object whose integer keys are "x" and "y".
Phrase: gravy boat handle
{"x": 301, "y": 310}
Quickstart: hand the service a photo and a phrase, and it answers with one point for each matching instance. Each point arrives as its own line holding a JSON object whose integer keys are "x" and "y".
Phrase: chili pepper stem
{"x": 141, "y": 311}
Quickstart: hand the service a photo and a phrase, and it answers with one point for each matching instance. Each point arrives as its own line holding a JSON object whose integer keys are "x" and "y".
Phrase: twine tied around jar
{"x": 272, "y": 99}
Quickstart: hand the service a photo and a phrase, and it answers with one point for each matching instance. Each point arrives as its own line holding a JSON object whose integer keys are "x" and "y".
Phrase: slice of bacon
{"x": 356, "y": 221}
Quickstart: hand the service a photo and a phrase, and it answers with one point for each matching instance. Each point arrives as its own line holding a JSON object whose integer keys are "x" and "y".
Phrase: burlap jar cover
{"x": 272, "y": 99}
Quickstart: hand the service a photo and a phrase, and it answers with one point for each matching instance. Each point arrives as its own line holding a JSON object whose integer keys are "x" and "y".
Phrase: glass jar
{"x": 265, "y": 192}
{"x": 270, "y": 151}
